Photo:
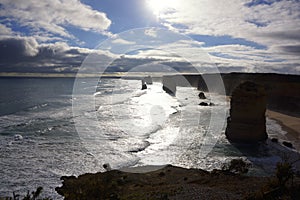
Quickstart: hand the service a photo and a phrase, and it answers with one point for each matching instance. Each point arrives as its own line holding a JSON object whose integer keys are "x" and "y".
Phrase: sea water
{"x": 42, "y": 138}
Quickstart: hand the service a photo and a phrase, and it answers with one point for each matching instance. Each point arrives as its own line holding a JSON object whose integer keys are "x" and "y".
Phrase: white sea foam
{"x": 97, "y": 93}
{"x": 18, "y": 137}
{"x": 273, "y": 128}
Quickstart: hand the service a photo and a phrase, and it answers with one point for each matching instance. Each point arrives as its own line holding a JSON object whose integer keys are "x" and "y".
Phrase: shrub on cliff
{"x": 282, "y": 185}
{"x": 284, "y": 173}
{"x": 238, "y": 166}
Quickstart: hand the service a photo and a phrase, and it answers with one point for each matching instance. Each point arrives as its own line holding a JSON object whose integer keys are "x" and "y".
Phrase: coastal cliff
{"x": 173, "y": 182}
{"x": 168, "y": 183}
{"x": 282, "y": 91}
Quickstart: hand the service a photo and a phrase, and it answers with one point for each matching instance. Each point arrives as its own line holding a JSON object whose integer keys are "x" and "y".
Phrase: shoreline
{"x": 290, "y": 124}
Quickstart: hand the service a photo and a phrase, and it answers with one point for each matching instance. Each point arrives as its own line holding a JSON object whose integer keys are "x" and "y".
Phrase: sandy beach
{"x": 290, "y": 124}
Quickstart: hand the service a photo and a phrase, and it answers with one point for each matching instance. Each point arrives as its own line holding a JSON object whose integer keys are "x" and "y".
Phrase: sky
{"x": 58, "y": 36}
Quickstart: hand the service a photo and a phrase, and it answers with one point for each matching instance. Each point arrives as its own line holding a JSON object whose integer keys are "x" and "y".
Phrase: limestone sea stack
{"x": 144, "y": 85}
{"x": 201, "y": 95}
{"x": 169, "y": 85}
{"x": 247, "y": 121}
{"x": 148, "y": 80}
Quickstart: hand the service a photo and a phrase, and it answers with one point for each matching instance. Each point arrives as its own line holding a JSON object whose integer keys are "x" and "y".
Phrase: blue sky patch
{"x": 260, "y": 2}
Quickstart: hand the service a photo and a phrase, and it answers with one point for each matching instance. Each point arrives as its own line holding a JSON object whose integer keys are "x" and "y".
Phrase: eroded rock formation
{"x": 148, "y": 80}
{"x": 169, "y": 85}
{"x": 144, "y": 85}
{"x": 247, "y": 121}
{"x": 201, "y": 95}
{"x": 203, "y": 104}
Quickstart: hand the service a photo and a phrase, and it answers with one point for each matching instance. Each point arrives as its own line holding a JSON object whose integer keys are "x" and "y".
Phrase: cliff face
{"x": 247, "y": 121}
{"x": 169, "y": 85}
{"x": 282, "y": 91}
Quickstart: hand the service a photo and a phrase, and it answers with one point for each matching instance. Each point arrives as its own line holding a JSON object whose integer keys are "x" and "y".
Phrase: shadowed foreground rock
{"x": 167, "y": 183}
{"x": 247, "y": 121}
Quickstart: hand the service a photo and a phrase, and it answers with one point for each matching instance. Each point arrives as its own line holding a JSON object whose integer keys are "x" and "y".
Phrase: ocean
{"x": 45, "y": 135}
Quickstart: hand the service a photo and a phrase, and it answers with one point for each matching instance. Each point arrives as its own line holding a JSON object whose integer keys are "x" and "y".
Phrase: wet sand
{"x": 290, "y": 124}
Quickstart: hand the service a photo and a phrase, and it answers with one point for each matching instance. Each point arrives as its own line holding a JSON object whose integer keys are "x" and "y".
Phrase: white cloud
{"x": 248, "y": 59}
{"x": 155, "y": 54}
{"x": 234, "y": 18}
{"x": 274, "y": 25}
{"x": 122, "y": 41}
{"x": 151, "y": 32}
{"x": 52, "y": 16}
{"x": 5, "y": 31}
{"x": 31, "y": 46}
{"x": 56, "y": 47}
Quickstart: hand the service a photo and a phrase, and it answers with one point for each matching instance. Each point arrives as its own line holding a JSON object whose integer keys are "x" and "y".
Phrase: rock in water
{"x": 144, "y": 85}
{"x": 203, "y": 104}
{"x": 169, "y": 85}
{"x": 18, "y": 137}
{"x": 288, "y": 144}
{"x": 107, "y": 167}
{"x": 148, "y": 80}
{"x": 247, "y": 121}
{"x": 202, "y": 95}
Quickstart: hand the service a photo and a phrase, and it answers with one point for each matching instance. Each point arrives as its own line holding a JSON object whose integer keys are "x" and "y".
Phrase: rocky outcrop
{"x": 148, "y": 80}
{"x": 247, "y": 121}
{"x": 144, "y": 85}
{"x": 288, "y": 144}
{"x": 275, "y": 140}
{"x": 167, "y": 183}
{"x": 202, "y": 95}
{"x": 203, "y": 104}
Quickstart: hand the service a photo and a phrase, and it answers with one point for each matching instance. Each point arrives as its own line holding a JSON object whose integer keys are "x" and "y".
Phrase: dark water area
{"x": 24, "y": 93}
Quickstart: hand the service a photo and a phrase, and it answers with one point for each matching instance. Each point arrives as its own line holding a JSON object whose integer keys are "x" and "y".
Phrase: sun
{"x": 160, "y": 6}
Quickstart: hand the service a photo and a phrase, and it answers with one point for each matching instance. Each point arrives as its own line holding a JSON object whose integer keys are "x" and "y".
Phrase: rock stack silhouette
{"x": 247, "y": 121}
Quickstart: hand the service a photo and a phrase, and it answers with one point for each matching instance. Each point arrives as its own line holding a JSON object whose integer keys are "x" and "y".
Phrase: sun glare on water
{"x": 160, "y": 6}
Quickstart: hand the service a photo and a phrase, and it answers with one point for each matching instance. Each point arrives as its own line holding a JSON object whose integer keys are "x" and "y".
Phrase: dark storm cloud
{"x": 12, "y": 48}
{"x": 24, "y": 54}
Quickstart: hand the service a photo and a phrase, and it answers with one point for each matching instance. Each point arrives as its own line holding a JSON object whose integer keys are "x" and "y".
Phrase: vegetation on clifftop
{"x": 179, "y": 183}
